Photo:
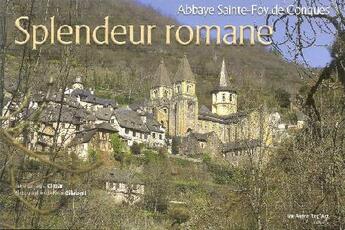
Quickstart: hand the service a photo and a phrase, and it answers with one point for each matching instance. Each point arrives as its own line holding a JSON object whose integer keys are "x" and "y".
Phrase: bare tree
{"x": 301, "y": 32}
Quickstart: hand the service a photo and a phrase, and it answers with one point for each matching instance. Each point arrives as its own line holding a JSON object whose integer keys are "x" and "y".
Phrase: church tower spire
{"x": 161, "y": 94}
{"x": 224, "y": 98}
{"x": 223, "y": 76}
{"x": 161, "y": 87}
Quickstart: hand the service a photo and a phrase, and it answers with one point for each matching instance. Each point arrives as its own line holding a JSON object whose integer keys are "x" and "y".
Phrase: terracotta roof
{"x": 161, "y": 77}
{"x": 184, "y": 72}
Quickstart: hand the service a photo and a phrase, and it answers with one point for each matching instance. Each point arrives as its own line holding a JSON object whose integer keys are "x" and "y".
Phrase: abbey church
{"x": 174, "y": 103}
{"x": 173, "y": 114}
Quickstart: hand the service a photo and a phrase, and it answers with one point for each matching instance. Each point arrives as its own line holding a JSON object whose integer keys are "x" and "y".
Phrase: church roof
{"x": 204, "y": 110}
{"x": 184, "y": 72}
{"x": 203, "y": 137}
{"x": 241, "y": 145}
{"x": 161, "y": 77}
{"x": 207, "y": 115}
{"x": 224, "y": 81}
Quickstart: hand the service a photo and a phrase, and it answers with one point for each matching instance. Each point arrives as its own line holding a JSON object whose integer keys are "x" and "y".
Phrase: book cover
{"x": 163, "y": 114}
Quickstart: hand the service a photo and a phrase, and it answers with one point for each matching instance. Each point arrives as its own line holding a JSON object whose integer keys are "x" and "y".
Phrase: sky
{"x": 317, "y": 56}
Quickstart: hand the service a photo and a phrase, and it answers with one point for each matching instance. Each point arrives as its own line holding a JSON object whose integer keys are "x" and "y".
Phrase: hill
{"x": 125, "y": 72}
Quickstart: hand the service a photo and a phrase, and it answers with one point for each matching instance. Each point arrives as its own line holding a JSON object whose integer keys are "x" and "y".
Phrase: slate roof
{"x": 184, "y": 72}
{"x": 161, "y": 77}
{"x": 104, "y": 114}
{"x": 82, "y": 93}
{"x": 241, "y": 145}
{"x": 92, "y": 99}
{"x": 202, "y": 136}
{"x": 152, "y": 124}
{"x": 130, "y": 119}
{"x": 87, "y": 96}
{"x": 105, "y": 126}
{"x": 139, "y": 105}
{"x": 68, "y": 114}
{"x": 85, "y": 136}
{"x": 206, "y": 114}
{"x": 204, "y": 110}
{"x": 224, "y": 81}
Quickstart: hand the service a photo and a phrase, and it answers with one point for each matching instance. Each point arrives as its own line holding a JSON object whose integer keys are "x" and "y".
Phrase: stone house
{"x": 97, "y": 138}
{"x": 139, "y": 128}
{"x": 124, "y": 186}
{"x": 197, "y": 144}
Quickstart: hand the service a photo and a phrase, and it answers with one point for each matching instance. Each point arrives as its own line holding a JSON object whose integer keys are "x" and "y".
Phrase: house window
{"x": 153, "y": 135}
{"x": 230, "y": 97}
{"x": 165, "y": 110}
{"x": 145, "y": 136}
{"x": 160, "y": 136}
{"x": 178, "y": 89}
{"x": 223, "y": 97}
{"x": 165, "y": 93}
{"x": 126, "y": 131}
{"x": 155, "y": 93}
{"x": 188, "y": 88}
{"x": 134, "y": 133}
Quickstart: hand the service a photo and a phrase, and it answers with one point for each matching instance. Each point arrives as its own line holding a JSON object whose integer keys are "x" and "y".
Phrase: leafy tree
{"x": 157, "y": 184}
{"x": 136, "y": 148}
{"x": 282, "y": 97}
{"x": 119, "y": 149}
{"x": 175, "y": 144}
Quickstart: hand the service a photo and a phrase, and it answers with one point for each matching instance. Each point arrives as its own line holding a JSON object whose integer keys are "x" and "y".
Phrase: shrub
{"x": 174, "y": 146}
{"x": 92, "y": 155}
{"x": 179, "y": 215}
{"x": 136, "y": 149}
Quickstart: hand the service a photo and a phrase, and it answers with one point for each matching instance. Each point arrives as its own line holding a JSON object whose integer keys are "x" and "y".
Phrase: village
{"x": 79, "y": 120}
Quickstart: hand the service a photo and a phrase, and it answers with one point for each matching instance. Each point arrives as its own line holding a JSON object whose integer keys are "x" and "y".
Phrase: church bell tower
{"x": 224, "y": 98}
{"x": 184, "y": 102}
{"x": 161, "y": 94}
